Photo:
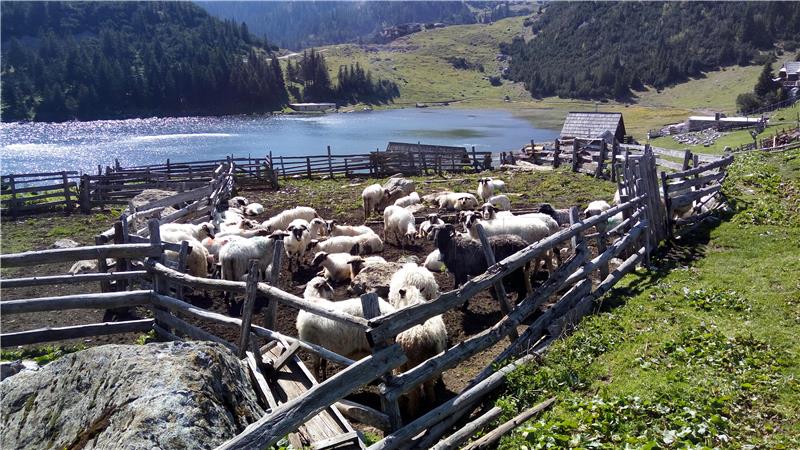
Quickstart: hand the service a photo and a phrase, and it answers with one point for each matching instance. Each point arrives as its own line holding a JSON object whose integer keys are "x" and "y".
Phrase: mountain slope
{"x": 299, "y": 25}
{"x": 604, "y": 49}
{"x": 86, "y": 60}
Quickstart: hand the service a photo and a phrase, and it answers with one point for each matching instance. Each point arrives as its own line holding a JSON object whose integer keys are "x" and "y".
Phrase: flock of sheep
{"x": 341, "y": 252}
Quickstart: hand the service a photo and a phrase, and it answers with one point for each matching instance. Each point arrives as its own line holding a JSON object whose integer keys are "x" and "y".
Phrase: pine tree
{"x": 765, "y": 85}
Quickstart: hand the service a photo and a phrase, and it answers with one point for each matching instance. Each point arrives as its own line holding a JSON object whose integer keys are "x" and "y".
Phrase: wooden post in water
{"x": 330, "y": 163}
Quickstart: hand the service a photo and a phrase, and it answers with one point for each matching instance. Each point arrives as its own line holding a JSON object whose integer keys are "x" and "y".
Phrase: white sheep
{"x": 459, "y": 201}
{"x": 358, "y": 263}
{"x": 342, "y": 338}
{"x": 420, "y": 343}
{"x": 336, "y": 244}
{"x": 236, "y": 255}
{"x": 369, "y": 243}
{"x": 596, "y": 208}
{"x": 372, "y": 196}
{"x": 254, "y": 209}
{"x": 488, "y": 186}
{"x": 213, "y": 246}
{"x": 426, "y": 227}
{"x": 433, "y": 262}
{"x": 318, "y": 287}
{"x": 316, "y": 227}
{"x": 334, "y": 229}
{"x": 412, "y": 275}
{"x": 336, "y": 266}
{"x": 398, "y": 223}
{"x": 197, "y": 261}
{"x": 197, "y": 232}
{"x": 282, "y": 220}
{"x": 238, "y": 202}
{"x": 296, "y": 243}
{"x": 501, "y": 202}
{"x": 530, "y": 229}
{"x": 408, "y": 200}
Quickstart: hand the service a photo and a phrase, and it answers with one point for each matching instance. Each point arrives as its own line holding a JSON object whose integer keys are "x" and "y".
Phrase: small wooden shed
{"x": 593, "y": 125}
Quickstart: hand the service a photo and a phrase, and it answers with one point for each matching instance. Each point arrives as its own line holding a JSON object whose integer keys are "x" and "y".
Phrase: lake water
{"x": 46, "y": 147}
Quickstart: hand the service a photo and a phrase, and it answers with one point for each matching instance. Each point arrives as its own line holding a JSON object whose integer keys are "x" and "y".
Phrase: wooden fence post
{"x": 601, "y": 160}
{"x": 251, "y": 290}
{"x": 533, "y": 152}
{"x": 614, "y": 153}
{"x": 122, "y": 263}
{"x": 67, "y": 193}
{"x": 370, "y": 306}
{"x": 85, "y": 200}
{"x": 575, "y": 161}
{"x": 667, "y": 205}
{"x": 423, "y": 163}
{"x": 308, "y": 167}
{"x": 556, "y": 154}
{"x": 475, "y": 160}
{"x": 687, "y": 159}
{"x": 283, "y": 167}
{"x": 102, "y": 267}
{"x": 183, "y": 256}
{"x": 272, "y": 305}
{"x": 330, "y": 163}
{"x": 13, "y": 205}
{"x": 502, "y": 297}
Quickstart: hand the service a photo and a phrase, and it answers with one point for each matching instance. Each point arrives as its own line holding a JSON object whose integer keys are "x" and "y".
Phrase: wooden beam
{"x": 364, "y": 414}
{"x": 287, "y": 417}
{"x": 189, "y": 330}
{"x": 702, "y": 168}
{"x": 251, "y": 290}
{"x": 71, "y": 279}
{"x": 505, "y": 305}
{"x": 491, "y": 438}
{"x": 105, "y": 300}
{"x": 74, "y": 254}
{"x": 73, "y": 332}
{"x": 455, "y": 440}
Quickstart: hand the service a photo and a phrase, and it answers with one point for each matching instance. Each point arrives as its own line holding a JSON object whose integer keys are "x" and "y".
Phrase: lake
{"x": 46, "y": 147}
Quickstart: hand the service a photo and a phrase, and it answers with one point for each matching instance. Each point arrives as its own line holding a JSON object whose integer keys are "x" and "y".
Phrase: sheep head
{"x": 208, "y": 228}
{"x": 319, "y": 258}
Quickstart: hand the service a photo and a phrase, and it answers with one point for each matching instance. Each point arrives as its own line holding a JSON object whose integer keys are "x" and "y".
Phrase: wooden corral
{"x": 312, "y": 413}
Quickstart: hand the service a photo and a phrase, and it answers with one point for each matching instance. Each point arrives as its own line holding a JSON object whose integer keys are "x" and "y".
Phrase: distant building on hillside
{"x": 593, "y": 125}
{"x": 312, "y": 107}
{"x": 720, "y": 122}
{"x": 789, "y": 74}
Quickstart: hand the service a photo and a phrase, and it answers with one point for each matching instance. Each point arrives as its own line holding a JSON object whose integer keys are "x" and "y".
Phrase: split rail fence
{"x": 572, "y": 290}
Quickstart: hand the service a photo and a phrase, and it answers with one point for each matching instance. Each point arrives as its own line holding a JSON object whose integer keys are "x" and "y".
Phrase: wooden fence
{"x": 571, "y": 291}
{"x": 39, "y": 192}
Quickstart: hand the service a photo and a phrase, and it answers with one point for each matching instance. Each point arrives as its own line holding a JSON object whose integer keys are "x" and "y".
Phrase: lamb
{"x": 213, "y": 246}
{"x": 488, "y": 186}
{"x": 426, "y": 227}
{"x": 489, "y": 212}
{"x": 254, "y": 209}
{"x": 434, "y": 262}
{"x": 318, "y": 287}
{"x": 344, "y": 339}
{"x": 335, "y": 229}
{"x": 337, "y": 244}
{"x": 420, "y": 343}
{"x": 237, "y": 202}
{"x": 197, "y": 260}
{"x": 178, "y": 231}
{"x": 371, "y": 196}
{"x": 236, "y": 255}
{"x": 501, "y": 202}
{"x": 316, "y": 227}
{"x": 408, "y": 200}
{"x": 459, "y": 201}
{"x": 369, "y": 243}
{"x": 296, "y": 243}
{"x": 398, "y": 222}
{"x": 596, "y": 208}
{"x": 561, "y": 216}
{"x": 336, "y": 266}
{"x": 282, "y": 220}
{"x": 357, "y": 264}
{"x": 412, "y": 275}
{"x": 464, "y": 258}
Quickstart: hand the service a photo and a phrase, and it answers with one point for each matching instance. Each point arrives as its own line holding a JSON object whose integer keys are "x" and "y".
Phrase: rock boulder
{"x": 374, "y": 277}
{"x": 175, "y": 395}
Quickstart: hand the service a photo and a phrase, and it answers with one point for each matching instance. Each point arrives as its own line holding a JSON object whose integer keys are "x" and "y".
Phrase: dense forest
{"x": 92, "y": 60}
{"x": 298, "y": 25}
{"x": 606, "y": 49}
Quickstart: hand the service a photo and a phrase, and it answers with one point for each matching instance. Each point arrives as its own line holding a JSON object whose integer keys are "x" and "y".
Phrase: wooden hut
{"x": 593, "y": 125}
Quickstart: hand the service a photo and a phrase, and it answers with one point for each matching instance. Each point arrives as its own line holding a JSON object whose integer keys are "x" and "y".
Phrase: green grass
{"x": 40, "y": 231}
{"x": 42, "y": 355}
{"x": 701, "y": 351}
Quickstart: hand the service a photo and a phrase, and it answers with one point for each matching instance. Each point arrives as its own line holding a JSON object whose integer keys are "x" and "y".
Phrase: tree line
{"x": 598, "y": 50}
{"x": 92, "y": 60}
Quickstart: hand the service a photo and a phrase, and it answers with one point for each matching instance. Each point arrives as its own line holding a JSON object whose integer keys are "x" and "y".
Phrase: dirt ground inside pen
{"x": 482, "y": 312}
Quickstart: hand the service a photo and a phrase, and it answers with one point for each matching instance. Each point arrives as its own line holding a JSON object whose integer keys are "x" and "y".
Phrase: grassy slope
{"x": 701, "y": 350}
{"x": 417, "y": 63}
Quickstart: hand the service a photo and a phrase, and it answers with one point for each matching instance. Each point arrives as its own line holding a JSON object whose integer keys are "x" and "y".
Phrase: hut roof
{"x": 592, "y": 124}
{"x": 791, "y": 67}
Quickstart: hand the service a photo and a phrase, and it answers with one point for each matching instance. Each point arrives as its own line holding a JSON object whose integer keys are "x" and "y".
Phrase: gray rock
{"x": 88, "y": 266}
{"x": 403, "y": 184}
{"x": 65, "y": 243}
{"x": 374, "y": 278}
{"x": 176, "y": 395}
{"x": 150, "y": 195}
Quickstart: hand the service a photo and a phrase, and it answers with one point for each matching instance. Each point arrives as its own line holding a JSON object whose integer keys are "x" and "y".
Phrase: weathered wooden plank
{"x": 455, "y": 440}
{"x": 700, "y": 169}
{"x": 502, "y": 296}
{"x": 364, "y": 414}
{"x": 345, "y": 440}
{"x": 491, "y": 438}
{"x": 78, "y": 301}
{"x": 685, "y": 185}
{"x": 78, "y": 253}
{"x": 690, "y": 197}
{"x": 190, "y": 330}
{"x": 611, "y": 252}
{"x": 71, "y": 279}
{"x": 402, "y": 437}
{"x": 287, "y": 417}
{"x": 73, "y": 332}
